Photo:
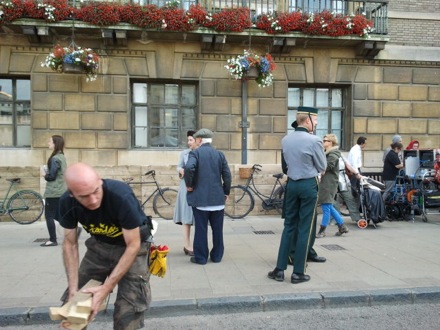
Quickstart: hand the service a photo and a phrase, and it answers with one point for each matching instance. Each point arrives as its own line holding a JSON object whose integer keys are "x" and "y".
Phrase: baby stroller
{"x": 397, "y": 206}
{"x": 371, "y": 203}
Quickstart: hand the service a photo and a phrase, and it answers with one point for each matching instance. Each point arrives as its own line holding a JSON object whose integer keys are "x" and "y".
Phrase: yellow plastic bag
{"x": 158, "y": 260}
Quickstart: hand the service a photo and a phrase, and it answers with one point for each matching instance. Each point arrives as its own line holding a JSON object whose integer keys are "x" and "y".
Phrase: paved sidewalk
{"x": 398, "y": 262}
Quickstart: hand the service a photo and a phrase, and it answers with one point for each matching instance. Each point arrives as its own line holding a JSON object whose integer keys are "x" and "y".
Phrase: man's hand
{"x": 99, "y": 294}
{"x": 189, "y": 189}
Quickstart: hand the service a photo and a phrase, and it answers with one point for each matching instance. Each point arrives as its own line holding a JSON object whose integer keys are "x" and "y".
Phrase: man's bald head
{"x": 84, "y": 184}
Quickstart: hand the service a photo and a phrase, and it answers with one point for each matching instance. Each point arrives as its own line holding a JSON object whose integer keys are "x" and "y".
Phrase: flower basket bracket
{"x": 73, "y": 68}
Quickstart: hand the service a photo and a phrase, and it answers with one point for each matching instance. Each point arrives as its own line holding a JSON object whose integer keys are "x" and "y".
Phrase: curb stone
{"x": 246, "y": 304}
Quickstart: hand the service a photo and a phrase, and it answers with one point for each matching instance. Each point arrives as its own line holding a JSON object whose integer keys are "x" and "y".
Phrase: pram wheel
{"x": 362, "y": 223}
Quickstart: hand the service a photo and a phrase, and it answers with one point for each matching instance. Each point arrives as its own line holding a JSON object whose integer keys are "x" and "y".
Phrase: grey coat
{"x": 329, "y": 181}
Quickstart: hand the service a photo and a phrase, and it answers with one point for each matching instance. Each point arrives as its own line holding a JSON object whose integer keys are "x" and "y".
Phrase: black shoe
{"x": 317, "y": 259}
{"x": 194, "y": 261}
{"x": 276, "y": 274}
{"x": 299, "y": 278}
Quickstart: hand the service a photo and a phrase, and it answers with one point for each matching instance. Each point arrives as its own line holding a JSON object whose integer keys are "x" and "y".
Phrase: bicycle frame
{"x": 152, "y": 173}
{"x": 250, "y": 185}
{"x": 3, "y": 201}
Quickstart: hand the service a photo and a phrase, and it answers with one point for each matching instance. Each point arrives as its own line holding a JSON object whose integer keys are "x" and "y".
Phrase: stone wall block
{"x": 47, "y": 101}
{"x": 429, "y": 76}
{"x": 216, "y": 70}
{"x": 221, "y": 141}
{"x": 434, "y": 128}
{"x": 80, "y": 140}
{"x": 380, "y": 126}
{"x": 217, "y": 105}
{"x": 360, "y": 91}
{"x": 79, "y": 102}
{"x": 397, "y": 75}
{"x": 102, "y": 84}
{"x": 359, "y": 125}
{"x": 39, "y": 83}
{"x": 97, "y": 121}
{"x": 22, "y": 63}
{"x": 114, "y": 103}
{"x": 369, "y": 74}
{"x": 261, "y": 124}
{"x": 276, "y": 107}
{"x": 252, "y": 106}
{"x": 120, "y": 122}
{"x": 40, "y": 138}
{"x": 426, "y": 110}
{"x": 413, "y": 126}
{"x": 225, "y": 88}
{"x": 280, "y": 89}
{"x": 112, "y": 140}
{"x": 227, "y": 124}
{"x": 382, "y": 92}
{"x": 120, "y": 85}
{"x": 396, "y": 109}
{"x": 295, "y": 72}
{"x": 39, "y": 119}
{"x": 413, "y": 93}
{"x": 346, "y": 73}
{"x": 65, "y": 82}
{"x": 434, "y": 94}
{"x": 256, "y": 91}
{"x": 207, "y": 87}
{"x": 192, "y": 69}
{"x": 64, "y": 120}
{"x": 270, "y": 142}
{"x": 100, "y": 158}
{"x": 367, "y": 108}
{"x": 279, "y": 124}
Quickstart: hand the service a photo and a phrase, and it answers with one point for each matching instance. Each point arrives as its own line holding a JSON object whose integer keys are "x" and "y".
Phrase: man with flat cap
{"x": 304, "y": 159}
{"x": 208, "y": 182}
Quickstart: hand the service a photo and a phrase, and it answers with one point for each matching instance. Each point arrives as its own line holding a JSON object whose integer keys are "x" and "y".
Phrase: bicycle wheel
{"x": 279, "y": 199}
{"x": 164, "y": 203}
{"x": 240, "y": 203}
{"x": 25, "y": 207}
{"x": 343, "y": 210}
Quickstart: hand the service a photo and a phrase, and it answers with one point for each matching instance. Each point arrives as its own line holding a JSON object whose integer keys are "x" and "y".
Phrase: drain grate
{"x": 263, "y": 232}
{"x": 333, "y": 247}
{"x": 40, "y": 240}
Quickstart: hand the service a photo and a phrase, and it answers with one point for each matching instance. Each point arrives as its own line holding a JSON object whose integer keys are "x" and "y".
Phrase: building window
{"x": 15, "y": 112}
{"x": 331, "y": 105}
{"x": 162, "y": 113}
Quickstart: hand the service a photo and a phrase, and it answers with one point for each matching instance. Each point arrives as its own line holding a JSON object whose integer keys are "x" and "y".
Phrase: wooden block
{"x": 84, "y": 306}
{"x": 77, "y": 317}
{"x": 79, "y": 296}
{"x": 54, "y": 314}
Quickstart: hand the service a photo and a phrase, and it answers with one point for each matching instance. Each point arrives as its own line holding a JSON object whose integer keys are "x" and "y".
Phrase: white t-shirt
{"x": 355, "y": 156}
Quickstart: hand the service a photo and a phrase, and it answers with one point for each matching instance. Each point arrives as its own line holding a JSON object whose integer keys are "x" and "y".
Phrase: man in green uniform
{"x": 303, "y": 155}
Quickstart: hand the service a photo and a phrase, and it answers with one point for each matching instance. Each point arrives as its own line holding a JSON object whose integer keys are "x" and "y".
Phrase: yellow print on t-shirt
{"x": 105, "y": 230}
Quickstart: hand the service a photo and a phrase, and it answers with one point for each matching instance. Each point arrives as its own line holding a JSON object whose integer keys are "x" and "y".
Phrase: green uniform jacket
{"x": 329, "y": 181}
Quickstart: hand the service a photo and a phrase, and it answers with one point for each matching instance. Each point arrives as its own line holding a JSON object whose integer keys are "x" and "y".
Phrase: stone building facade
{"x": 396, "y": 92}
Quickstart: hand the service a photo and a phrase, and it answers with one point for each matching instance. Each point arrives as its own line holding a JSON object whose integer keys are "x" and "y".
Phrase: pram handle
{"x": 375, "y": 183}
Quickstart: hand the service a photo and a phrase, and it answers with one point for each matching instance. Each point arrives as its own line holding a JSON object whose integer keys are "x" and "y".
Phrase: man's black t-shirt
{"x": 389, "y": 166}
{"x": 119, "y": 209}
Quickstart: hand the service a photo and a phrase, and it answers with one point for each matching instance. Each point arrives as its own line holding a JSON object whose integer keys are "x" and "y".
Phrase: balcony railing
{"x": 375, "y": 10}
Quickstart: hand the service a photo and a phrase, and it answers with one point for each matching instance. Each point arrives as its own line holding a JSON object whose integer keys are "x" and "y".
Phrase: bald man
{"x": 117, "y": 250}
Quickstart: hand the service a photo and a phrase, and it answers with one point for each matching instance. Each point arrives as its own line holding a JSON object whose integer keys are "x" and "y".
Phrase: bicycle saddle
{"x": 278, "y": 176}
{"x": 15, "y": 180}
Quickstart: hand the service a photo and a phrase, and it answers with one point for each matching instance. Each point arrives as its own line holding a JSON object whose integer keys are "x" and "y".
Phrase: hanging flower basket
{"x": 73, "y": 68}
{"x": 251, "y": 66}
{"x": 73, "y": 59}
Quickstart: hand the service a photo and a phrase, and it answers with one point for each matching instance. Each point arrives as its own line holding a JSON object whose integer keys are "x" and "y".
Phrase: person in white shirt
{"x": 355, "y": 160}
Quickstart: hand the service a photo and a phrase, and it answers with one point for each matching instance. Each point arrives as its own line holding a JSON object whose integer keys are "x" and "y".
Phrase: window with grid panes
{"x": 331, "y": 105}
{"x": 15, "y": 112}
{"x": 162, "y": 113}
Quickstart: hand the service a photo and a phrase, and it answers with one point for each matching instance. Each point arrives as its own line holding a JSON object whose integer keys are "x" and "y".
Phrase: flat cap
{"x": 203, "y": 133}
{"x": 307, "y": 110}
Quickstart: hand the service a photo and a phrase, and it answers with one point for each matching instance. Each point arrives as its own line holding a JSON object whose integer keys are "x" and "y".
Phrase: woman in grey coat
{"x": 329, "y": 186}
{"x": 183, "y": 214}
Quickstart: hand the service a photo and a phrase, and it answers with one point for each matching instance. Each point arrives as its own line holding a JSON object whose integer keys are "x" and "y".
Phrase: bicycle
{"x": 241, "y": 201}
{"x": 164, "y": 199}
{"x": 24, "y": 206}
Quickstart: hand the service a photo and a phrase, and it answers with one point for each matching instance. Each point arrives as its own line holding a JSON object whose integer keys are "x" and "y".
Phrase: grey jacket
{"x": 55, "y": 185}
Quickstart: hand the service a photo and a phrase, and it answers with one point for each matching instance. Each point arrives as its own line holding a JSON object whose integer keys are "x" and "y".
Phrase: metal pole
{"x": 244, "y": 123}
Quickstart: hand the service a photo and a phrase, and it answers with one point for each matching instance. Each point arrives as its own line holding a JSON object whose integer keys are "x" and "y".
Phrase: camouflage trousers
{"x": 134, "y": 295}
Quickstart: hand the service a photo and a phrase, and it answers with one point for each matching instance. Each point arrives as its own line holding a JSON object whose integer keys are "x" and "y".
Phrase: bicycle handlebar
{"x": 152, "y": 172}
{"x": 256, "y": 167}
